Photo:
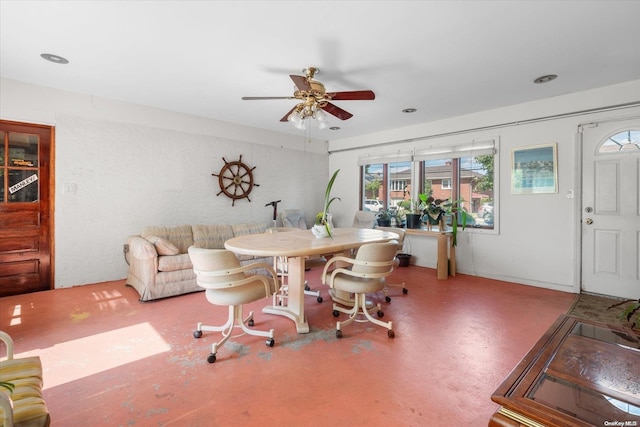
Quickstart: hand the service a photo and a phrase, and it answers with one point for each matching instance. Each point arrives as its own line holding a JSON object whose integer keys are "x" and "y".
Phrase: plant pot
{"x": 320, "y": 231}
{"x": 384, "y": 222}
{"x": 413, "y": 220}
{"x": 403, "y": 260}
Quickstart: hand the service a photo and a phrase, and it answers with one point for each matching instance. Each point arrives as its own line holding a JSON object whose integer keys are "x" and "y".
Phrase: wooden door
{"x": 25, "y": 208}
{"x": 611, "y": 208}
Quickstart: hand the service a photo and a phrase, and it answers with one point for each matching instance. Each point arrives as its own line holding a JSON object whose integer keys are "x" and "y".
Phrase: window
{"x": 467, "y": 178}
{"x": 629, "y": 140}
{"x": 387, "y": 183}
{"x": 19, "y": 168}
{"x": 456, "y": 172}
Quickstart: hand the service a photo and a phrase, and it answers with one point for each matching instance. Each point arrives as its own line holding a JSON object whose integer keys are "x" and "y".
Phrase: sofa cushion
{"x": 174, "y": 262}
{"x": 211, "y": 236}
{"x": 180, "y": 235}
{"x": 163, "y": 246}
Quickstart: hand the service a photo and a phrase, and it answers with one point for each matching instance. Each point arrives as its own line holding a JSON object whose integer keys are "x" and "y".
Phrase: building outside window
{"x": 464, "y": 172}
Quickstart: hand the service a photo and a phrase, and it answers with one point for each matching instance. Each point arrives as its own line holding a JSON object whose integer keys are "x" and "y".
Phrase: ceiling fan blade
{"x": 300, "y": 82}
{"x": 354, "y": 95}
{"x": 257, "y": 98}
{"x": 337, "y": 111}
{"x": 286, "y": 116}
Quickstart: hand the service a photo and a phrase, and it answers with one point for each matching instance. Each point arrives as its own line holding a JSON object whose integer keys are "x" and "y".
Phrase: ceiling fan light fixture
{"x": 296, "y": 118}
{"x": 323, "y": 121}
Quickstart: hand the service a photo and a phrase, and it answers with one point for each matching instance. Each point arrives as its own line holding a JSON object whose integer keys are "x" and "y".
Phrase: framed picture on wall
{"x": 534, "y": 169}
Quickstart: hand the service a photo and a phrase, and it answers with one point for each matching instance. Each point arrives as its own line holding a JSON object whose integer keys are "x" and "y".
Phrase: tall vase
{"x": 320, "y": 230}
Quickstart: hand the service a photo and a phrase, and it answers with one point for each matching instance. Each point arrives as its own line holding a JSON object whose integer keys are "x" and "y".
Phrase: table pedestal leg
{"x": 294, "y": 309}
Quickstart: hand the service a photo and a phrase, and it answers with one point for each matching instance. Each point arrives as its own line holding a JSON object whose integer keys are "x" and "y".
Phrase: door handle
{"x": 589, "y": 221}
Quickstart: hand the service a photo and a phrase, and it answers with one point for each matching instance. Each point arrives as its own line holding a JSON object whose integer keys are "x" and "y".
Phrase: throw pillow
{"x": 163, "y": 246}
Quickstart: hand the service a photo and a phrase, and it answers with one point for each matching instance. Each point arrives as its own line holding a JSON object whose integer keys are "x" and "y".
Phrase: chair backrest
{"x": 294, "y": 218}
{"x": 364, "y": 219}
{"x": 272, "y": 230}
{"x": 211, "y": 260}
{"x": 376, "y": 252}
{"x": 401, "y": 232}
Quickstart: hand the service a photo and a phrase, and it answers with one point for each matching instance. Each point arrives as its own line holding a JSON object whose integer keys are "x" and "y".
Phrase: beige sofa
{"x": 159, "y": 265}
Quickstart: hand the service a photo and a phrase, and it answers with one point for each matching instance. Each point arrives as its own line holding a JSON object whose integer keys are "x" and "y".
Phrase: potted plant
{"x": 432, "y": 209}
{"x": 452, "y": 210}
{"x": 413, "y": 215}
{"x": 631, "y": 313}
{"x": 436, "y": 210}
{"x": 323, "y": 226}
{"x": 400, "y": 216}
{"x": 384, "y": 218}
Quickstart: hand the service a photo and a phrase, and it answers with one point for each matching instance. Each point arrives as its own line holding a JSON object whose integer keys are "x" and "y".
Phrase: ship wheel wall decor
{"x": 235, "y": 180}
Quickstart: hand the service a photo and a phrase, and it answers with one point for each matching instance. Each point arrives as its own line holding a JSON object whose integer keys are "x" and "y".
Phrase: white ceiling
{"x": 445, "y": 58}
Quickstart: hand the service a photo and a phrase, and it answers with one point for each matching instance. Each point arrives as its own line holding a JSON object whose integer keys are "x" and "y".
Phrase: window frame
{"x": 453, "y": 152}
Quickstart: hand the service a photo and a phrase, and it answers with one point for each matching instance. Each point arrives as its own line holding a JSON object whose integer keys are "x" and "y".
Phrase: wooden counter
{"x": 446, "y": 265}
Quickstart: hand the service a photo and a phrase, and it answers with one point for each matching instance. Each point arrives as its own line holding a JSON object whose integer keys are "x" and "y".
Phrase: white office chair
{"x": 281, "y": 266}
{"x": 373, "y": 262}
{"x": 293, "y": 218}
{"x": 226, "y": 282}
{"x": 401, "y": 233}
{"x": 364, "y": 219}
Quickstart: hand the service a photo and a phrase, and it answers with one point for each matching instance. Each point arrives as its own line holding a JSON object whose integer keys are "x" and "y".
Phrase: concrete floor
{"x": 110, "y": 360}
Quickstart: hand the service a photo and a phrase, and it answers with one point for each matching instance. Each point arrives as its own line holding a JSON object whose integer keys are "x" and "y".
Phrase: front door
{"x": 25, "y": 221}
{"x": 611, "y": 208}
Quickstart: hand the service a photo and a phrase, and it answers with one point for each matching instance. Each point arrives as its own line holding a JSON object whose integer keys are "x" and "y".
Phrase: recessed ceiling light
{"x": 54, "y": 58}
{"x": 545, "y": 79}
{"x": 334, "y": 128}
{"x": 409, "y": 110}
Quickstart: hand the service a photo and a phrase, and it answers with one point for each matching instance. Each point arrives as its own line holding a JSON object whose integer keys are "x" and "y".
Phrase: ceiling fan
{"x": 315, "y": 100}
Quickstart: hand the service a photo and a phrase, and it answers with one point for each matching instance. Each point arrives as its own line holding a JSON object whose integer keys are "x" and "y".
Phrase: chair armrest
{"x": 7, "y": 408}
{"x": 8, "y": 342}
{"x": 141, "y": 248}
{"x": 331, "y": 261}
{"x": 349, "y": 272}
{"x": 249, "y": 279}
{"x": 241, "y": 269}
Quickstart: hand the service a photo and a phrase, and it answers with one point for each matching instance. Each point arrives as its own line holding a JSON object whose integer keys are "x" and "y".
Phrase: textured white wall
{"x": 130, "y": 166}
{"x": 537, "y": 238}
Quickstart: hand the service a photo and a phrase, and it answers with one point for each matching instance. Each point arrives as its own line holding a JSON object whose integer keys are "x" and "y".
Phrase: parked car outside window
{"x": 372, "y": 205}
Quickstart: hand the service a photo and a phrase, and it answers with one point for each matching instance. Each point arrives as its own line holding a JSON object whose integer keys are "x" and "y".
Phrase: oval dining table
{"x": 297, "y": 246}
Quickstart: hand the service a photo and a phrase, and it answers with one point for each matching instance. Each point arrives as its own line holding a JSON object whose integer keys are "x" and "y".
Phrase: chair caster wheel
{"x": 320, "y": 299}
{"x": 307, "y": 288}
{"x": 211, "y": 358}
{"x": 197, "y": 334}
{"x": 250, "y": 323}
{"x": 336, "y": 313}
{"x": 338, "y": 333}
{"x": 270, "y": 342}
{"x": 391, "y": 334}
{"x": 405, "y": 291}
{"x": 387, "y": 299}
{"x": 380, "y": 313}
